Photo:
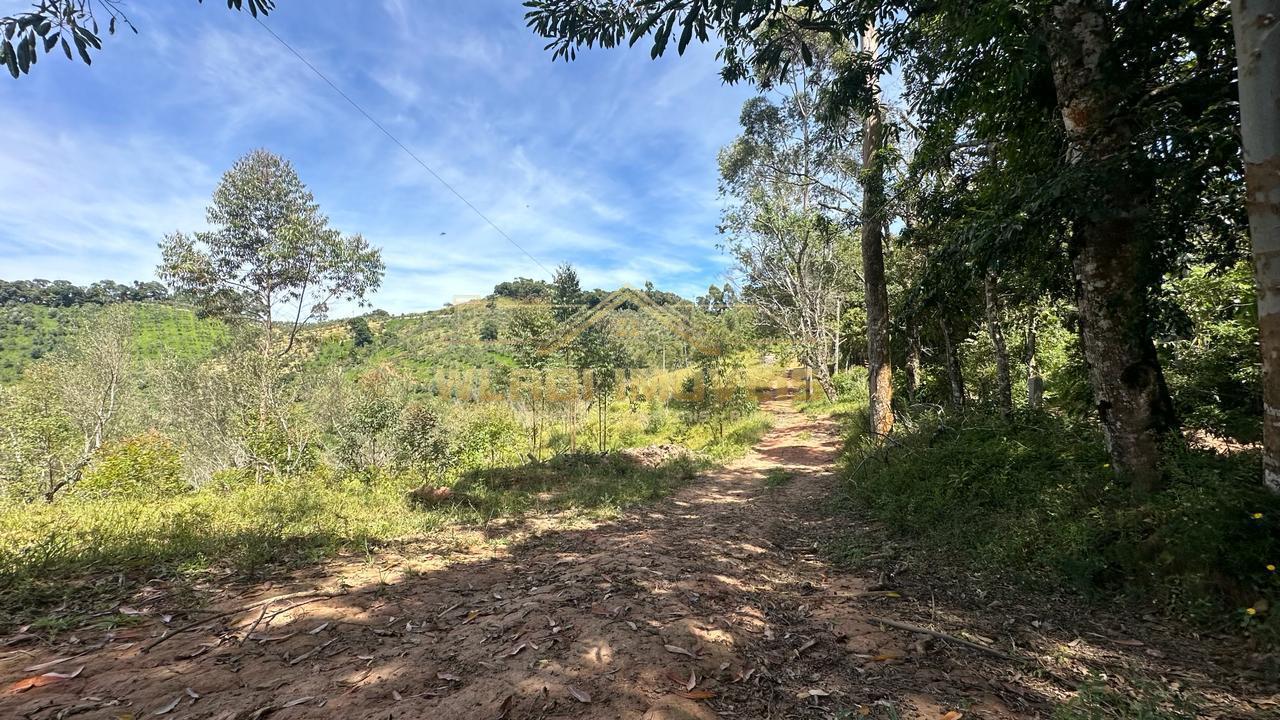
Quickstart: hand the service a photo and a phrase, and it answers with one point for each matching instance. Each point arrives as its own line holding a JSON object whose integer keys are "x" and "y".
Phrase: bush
{"x": 143, "y": 466}
{"x": 1035, "y": 495}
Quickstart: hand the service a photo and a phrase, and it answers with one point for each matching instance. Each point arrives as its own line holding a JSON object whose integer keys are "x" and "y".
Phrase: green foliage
{"x": 1212, "y": 361}
{"x": 1034, "y": 496}
{"x": 488, "y": 437}
{"x": 39, "y": 442}
{"x": 32, "y": 332}
{"x": 146, "y": 466}
{"x": 423, "y": 444}
{"x": 594, "y": 483}
{"x": 68, "y": 23}
{"x": 366, "y": 431}
{"x": 361, "y": 335}
{"x": 1144, "y": 700}
{"x": 270, "y": 251}
{"x": 777, "y": 477}
{"x": 524, "y": 289}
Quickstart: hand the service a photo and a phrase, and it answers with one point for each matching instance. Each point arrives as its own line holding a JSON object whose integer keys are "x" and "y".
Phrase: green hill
{"x": 418, "y": 345}
{"x": 29, "y": 332}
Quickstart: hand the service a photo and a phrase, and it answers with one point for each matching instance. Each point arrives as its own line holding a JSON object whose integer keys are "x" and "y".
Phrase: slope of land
{"x": 161, "y": 330}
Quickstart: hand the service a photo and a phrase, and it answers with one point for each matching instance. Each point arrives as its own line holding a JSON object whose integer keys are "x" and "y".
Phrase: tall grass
{"x": 50, "y": 552}
{"x": 1034, "y": 498}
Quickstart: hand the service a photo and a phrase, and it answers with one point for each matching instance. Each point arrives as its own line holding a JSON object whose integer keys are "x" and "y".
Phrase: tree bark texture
{"x": 879, "y": 362}
{"x": 1111, "y": 257}
{"x": 1257, "y": 32}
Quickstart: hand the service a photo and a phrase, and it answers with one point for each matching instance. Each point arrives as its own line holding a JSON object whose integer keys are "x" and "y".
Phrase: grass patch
{"x": 1139, "y": 701}
{"x": 776, "y": 478}
{"x": 1033, "y": 498}
{"x": 73, "y": 553}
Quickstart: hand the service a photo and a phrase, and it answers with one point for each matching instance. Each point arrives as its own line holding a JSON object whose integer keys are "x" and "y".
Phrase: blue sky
{"x": 607, "y": 162}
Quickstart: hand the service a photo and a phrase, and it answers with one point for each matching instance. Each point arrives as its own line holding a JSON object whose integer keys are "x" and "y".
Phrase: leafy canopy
{"x": 270, "y": 251}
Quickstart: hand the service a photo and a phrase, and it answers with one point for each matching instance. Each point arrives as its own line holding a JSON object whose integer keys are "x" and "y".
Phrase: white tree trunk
{"x": 1257, "y": 31}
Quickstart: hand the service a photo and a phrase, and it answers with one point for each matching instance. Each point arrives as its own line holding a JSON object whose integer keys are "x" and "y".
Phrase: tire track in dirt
{"x": 712, "y": 603}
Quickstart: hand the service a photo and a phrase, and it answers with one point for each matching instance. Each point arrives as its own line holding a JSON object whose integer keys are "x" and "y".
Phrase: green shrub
{"x": 144, "y": 466}
{"x": 1212, "y": 362}
{"x": 1035, "y": 495}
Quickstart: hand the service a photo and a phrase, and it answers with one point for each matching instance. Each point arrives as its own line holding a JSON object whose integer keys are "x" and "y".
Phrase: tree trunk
{"x": 955, "y": 377}
{"x": 879, "y": 363}
{"x": 1035, "y": 382}
{"x": 825, "y": 381}
{"x": 913, "y": 360}
{"x": 1113, "y": 261}
{"x": 1258, "y": 55}
{"x": 995, "y": 329}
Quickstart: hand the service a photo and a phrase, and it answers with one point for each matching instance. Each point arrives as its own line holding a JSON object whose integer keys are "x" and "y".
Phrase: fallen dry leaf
{"x": 579, "y": 695}
{"x": 448, "y": 676}
{"x": 678, "y": 650}
{"x": 42, "y": 680}
{"x": 953, "y": 715}
{"x": 693, "y": 681}
{"x": 813, "y": 692}
{"x": 697, "y": 694}
{"x": 49, "y": 664}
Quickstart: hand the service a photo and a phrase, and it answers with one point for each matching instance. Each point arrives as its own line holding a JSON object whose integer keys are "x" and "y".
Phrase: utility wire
{"x": 403, "y": 147}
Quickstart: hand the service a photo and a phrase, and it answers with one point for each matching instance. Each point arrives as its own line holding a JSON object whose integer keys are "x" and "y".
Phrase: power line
{"x": 403, "y": 147}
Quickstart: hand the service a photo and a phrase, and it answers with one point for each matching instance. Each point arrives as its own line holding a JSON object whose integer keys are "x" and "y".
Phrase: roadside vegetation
{"x": 242, "y": 430}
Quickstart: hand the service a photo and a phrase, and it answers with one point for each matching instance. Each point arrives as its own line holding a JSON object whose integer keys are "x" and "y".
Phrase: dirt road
{"x": 712, "y": 603}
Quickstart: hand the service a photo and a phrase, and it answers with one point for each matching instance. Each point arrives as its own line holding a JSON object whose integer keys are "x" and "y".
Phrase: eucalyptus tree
{"x": 1258, "y": 50}
{"x": 874, "y": 221}
{"x": 270, "y": 256}
{"x": 529, "y": 328}
{"x": 66, "y": 24}
{"x": 790, "y": 199}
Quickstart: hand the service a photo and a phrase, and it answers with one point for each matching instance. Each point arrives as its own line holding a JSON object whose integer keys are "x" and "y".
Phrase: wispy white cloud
{"x": 608, "y": 162}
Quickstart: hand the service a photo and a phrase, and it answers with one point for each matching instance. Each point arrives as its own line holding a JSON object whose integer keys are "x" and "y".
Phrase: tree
{"x": 995, "y": 330}
{"x": 1124, "y": 108}
{"x": 566, "y": 293}
{"x": 54, "y": 23}
{"x": 602, "y": 359}
{"x": 270, "y": 252}
{"x": 1258, "y": 50}
{"x": 39, "y": 437}
{"x": 361, "y": 335}
{"x": 528, "y": 329}
{"x": 874, "y": 220}
{"x": 788, "y": 199}
{"x": 369, "y": 420}
{"x": 93, "y": 376}
{"x": 422, "y": 443}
